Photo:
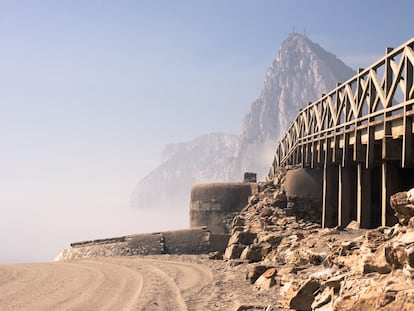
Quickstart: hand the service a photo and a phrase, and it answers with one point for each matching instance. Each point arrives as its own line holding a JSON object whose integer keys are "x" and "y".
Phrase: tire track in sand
{"x": 104, "y": 284}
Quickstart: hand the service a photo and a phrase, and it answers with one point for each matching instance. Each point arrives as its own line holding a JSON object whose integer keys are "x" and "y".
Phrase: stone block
{"x": 233, "y": 251}
{"x": 254, "y": 253}
{"x": 243, "y": 237}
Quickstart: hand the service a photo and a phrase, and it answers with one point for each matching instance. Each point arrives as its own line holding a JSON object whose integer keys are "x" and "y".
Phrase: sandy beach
{"x": 165, "y": 282}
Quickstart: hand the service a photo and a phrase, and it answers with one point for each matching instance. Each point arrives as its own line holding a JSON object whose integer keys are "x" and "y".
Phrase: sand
{"x": 166, "y": 282}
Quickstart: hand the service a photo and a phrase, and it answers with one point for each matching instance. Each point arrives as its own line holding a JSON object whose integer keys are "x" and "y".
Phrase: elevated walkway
{"x": 361, "y": 134}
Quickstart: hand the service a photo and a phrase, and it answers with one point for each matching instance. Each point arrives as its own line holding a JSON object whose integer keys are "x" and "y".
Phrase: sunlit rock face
{"x": 301, "y": 72}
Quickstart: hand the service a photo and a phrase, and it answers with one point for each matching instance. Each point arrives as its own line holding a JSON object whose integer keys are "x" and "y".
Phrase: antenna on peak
{"x": 293, "y": 29}
{"x": 304, "y": 32}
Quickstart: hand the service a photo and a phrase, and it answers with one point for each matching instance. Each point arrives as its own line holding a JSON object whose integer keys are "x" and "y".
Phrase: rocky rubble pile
{"x": 310, "y": 268}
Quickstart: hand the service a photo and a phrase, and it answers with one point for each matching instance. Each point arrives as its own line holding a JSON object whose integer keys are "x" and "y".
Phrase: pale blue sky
{"x": 91, "y": 92}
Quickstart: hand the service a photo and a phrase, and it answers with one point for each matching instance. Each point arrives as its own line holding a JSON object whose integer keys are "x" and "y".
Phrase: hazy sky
{"x": 91, "y": 92}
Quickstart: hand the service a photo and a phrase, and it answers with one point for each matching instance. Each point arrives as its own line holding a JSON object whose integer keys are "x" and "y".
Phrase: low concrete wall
{"x": 187, "y": 241}
{"x": 190, "y": 241}
{"x": 215, "y": 204}
{"x": 146, "y": 244}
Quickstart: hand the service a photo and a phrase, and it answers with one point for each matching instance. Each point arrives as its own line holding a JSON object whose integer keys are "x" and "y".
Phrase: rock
{"x": 403, "y": 206}
{"x": 279, "y": 199}
{"x": 239, "y": 221}
{"x": 254, "y": 271}
{"x": 286, "y": 275}
{"x": 254, "y": 199}
{"x": 374, "y": 238}
{"x": 404, "y": 301}
{"x": 215, "y": 255}
{"x": 410, "y": 256}
{"x": 235, "y": 262}
{"x": 266, "y": 212}
{"x": 410, "y": 195}
{"x": 250, "y": 307}
{"x": 305, "y": 296}
{"x": 303, "y": 256}
{"x": 400, "y": 255}
{"x": 266, "y": 280}
{"x": 407, "y": 238}
{"x": 378, "y": 262}
{"x": 334, "y": 282}
{"x": 322, "y": 299}
{"x": 242, "y": 237}
{"x": 373, "y": 298}
{"x": 233, "y": 251}
{"x": 255, "y": 252}
{"x": 353, "y": 225}
{"x": 272, "y": 238}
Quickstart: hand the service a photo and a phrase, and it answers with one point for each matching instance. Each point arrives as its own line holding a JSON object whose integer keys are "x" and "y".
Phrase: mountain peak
{"x": 301, "y": 72}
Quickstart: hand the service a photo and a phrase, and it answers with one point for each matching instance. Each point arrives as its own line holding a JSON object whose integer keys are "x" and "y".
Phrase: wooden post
{"x": 407, "y": 146}
{"x": 340, "y": 194}
{"x": 363, "y": 196}
{"x": 384, "y": 193}
{"x": 324, "y": 195}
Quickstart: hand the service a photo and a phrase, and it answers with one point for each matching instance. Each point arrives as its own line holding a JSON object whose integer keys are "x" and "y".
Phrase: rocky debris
{"x": 323, "y": 269}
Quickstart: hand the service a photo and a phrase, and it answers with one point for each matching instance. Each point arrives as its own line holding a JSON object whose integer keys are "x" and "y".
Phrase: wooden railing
{"x": 375, "y": 95}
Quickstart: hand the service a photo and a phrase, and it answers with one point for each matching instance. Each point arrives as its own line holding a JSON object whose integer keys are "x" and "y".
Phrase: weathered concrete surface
{"x": 304, "y": 183}
{"x": 215, "y": 204}
{"x": 187, "y": 241}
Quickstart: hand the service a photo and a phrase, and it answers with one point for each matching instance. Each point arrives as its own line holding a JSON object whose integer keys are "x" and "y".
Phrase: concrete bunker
{"x": 303, "y": 188}
{"x": 215, "y": 204}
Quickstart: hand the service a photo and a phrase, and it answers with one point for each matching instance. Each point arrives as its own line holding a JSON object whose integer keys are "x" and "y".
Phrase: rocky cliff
{"x": 301, "y": 72}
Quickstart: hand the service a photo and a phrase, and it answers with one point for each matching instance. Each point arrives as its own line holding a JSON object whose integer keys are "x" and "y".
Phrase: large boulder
{"x": 304, "y": 297}
{"x": 403, "y": 205}
{"x": 380, "y": 261}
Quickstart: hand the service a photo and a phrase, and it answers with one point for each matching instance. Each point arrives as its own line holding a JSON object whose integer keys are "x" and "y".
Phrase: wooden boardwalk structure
{"x": 361, "y": 135}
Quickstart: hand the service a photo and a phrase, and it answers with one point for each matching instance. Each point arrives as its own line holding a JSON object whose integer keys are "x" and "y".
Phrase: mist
{"x": 39, "y": 234}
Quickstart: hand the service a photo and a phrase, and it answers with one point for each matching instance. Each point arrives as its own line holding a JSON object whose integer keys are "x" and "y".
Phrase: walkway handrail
{"x": 374, "y": 94}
